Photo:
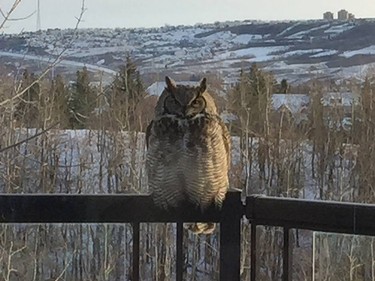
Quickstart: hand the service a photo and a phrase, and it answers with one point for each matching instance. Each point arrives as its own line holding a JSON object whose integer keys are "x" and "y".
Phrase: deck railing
{"x": 287, "y": 213}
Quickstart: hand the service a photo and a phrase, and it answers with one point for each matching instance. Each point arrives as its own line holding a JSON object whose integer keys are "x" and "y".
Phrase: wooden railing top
{"x": 288, "y": 213}
{"x": 326, "y": 216}
{"x": 53, "y": 208}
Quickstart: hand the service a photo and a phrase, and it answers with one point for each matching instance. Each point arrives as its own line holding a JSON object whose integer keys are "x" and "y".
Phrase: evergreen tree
{"x": 284, "y": 86}
{"x": 27, "y": 109}
{"x": 82, "y": 101}
{"x": 257, "y": 81}
{"x": 127, "y": 92}
{"x": 251, "y": 96}
{"x": 59, "y": 101}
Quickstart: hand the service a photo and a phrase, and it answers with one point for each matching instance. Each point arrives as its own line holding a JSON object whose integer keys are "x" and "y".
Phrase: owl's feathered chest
{"x": 187, "y": 159}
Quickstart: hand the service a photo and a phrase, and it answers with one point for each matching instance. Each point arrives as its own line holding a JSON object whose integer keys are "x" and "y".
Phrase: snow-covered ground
{"x": 337, "y": 29}
{"x": 324, "y": 53}
{"x": 301, "y": 34}
{"x": 302, "y": 52}
{"x": 87, "y": 161}
{"x": 364, "y": 51}
{"x": 256, "y": 54}
{"x": 60, "y": 62}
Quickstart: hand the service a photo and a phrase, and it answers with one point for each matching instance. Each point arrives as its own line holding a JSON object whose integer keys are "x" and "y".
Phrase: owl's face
{"x": 185, "y": 101}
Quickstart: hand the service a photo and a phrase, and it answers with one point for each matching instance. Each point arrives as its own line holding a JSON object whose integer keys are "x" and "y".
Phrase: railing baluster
{"x": 230, "y": 248}
{"x": 180, "y": 252}
{"x": 253, "y": 252}
{"x": 287, "y": 254}
{"x": 136, "y": 228}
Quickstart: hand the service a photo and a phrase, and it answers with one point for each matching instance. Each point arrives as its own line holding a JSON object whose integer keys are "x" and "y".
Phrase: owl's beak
{"x": 189, "y": 111}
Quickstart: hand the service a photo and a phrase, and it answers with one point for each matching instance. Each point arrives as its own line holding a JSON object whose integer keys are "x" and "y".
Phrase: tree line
{"x": 81, "y": 103}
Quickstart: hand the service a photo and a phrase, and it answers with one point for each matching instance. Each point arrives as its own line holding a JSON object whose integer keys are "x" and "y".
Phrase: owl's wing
{"x": 148, "y": 132}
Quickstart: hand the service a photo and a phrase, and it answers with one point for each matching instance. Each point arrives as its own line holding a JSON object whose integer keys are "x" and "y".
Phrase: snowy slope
{"x": 293, "y": 47}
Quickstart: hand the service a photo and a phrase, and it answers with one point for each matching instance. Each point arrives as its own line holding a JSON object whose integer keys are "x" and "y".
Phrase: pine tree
{"x": 82, "y": 101}
{"x": 127, "y": 92}
{"x": 27, "y": 109}
{"x": 251, "y": 97}
{"x": 59, "y": 101}
{"x": 284, "y": 86}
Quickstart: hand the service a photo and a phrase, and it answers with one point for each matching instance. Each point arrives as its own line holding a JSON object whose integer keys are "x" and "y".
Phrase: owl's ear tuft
{"x": 171, "y": 85}
{"x": 202, "y": 85}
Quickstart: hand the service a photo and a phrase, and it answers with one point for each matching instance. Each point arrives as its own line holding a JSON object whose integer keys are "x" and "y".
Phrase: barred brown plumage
{"x": 188, "y": 150}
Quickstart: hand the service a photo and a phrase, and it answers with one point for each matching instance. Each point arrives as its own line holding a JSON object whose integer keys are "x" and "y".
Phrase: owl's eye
{"x": 171, "y": 105}
{"x": 196, "y": 102}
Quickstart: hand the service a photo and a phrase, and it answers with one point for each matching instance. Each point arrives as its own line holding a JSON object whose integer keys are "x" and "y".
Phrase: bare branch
{"x": 2, "y": 13}
{"x": 9, "y": 13}
{"x": 28, "y": 139}
{"x": 23, "y": 18}
{"x": 54, "y": 63}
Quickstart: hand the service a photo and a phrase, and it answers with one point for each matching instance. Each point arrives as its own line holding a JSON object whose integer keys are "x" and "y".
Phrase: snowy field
{"x": 97, "y": 162}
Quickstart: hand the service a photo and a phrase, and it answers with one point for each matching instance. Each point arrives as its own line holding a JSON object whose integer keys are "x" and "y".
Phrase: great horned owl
{"x": 188, "y": 150}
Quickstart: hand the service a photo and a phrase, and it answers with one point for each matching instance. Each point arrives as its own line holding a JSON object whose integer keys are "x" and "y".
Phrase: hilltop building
{"x": 342, "y": 15}
{"x": 328, "y": 16}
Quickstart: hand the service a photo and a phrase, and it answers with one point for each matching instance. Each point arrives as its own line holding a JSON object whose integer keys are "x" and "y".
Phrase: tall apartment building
{"x": 328, "y": 16}
{"x": 342, "y": 15}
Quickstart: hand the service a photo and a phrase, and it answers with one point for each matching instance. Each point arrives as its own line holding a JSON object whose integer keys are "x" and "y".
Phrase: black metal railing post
{"x": 287, "y": 254}
{"x": 253, "y": 252}
{"x": 230, "y": 239}
{"x": 179, "y": 251}
{"x": 136, "y": 229}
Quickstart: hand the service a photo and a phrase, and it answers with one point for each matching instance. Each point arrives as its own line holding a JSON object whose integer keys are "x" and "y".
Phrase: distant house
{"x": 339, "y": 108}
{"x": 156, "y": 88}
{"x": 343, "y": 99}
{"x": 228, "y": 117}
{"x": 295, "y": 105}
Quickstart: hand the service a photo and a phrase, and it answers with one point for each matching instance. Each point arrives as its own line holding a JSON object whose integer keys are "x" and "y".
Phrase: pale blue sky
{"x": 154, "y": 13}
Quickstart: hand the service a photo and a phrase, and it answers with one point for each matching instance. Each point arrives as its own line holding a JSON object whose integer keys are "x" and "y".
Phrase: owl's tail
{"x": 201, "y": 227}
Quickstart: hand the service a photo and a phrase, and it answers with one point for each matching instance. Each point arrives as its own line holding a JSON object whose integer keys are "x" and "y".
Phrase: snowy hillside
{"x": 295, "y": 50}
